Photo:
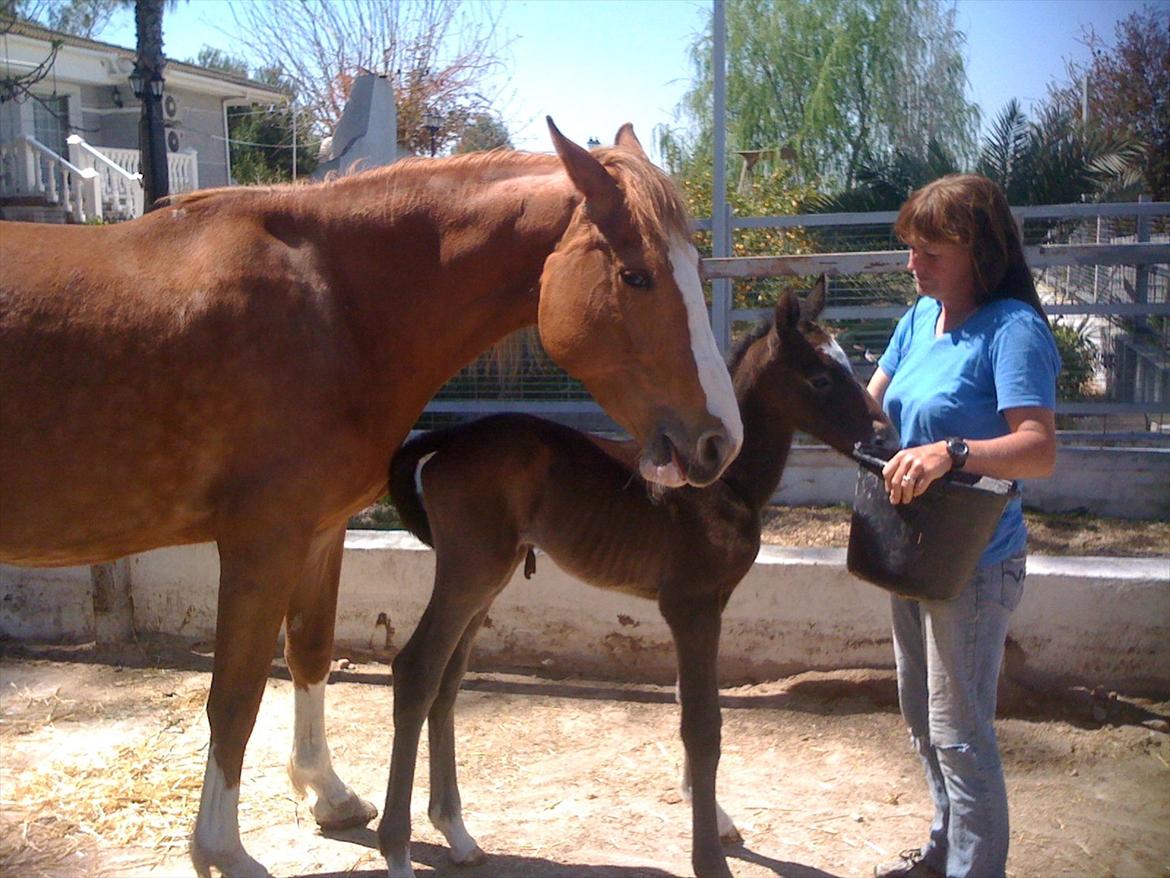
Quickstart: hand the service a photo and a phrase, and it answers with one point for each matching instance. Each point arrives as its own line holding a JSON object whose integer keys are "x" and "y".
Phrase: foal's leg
{"x": 461, "y": 593}
{"x": 446, "y": 805}
{"x": 309, "y": 624}
{"x": 694, "y": 623}
{"x": 255, "y": 572}
{"x": 728, "y": 834}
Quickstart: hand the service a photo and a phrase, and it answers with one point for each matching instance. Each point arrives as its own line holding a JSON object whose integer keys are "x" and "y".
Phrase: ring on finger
{"x": 908, "y": 479}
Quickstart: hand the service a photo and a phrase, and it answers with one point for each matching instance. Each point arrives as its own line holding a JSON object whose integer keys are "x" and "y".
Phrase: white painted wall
{"x": 1090, "y": 621}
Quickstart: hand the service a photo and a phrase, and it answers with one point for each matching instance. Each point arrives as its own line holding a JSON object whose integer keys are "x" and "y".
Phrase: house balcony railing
{"x": 93, "y": 183}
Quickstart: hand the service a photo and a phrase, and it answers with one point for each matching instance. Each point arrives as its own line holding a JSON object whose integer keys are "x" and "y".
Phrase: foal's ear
{"x": 602, "y": 195}
{"x": 628, "y": 140}
{"x": 787, "y": 311}
{"x": 814, "y": 303}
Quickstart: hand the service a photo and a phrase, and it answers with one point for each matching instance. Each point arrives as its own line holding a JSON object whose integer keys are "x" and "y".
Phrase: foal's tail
{"x": 405, "y": 491}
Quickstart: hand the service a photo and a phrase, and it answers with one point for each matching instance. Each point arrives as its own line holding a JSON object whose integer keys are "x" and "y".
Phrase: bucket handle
{"x": 868, "y": 461}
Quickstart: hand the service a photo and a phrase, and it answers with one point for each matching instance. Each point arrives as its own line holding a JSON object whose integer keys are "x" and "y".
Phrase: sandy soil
{"x": 102, "y": 755}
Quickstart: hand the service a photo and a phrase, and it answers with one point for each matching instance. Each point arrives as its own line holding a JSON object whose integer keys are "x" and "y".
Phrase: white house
{"x": 69, "y": 151}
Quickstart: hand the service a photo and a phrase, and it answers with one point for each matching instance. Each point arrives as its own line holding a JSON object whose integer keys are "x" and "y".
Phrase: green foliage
{"x": 1128, "y": 93}
{"x": 262, "y": 136}
{"x": 831, "y": 82}
{"x": 484, "y": 131}
{"x": 1079, "y": 358}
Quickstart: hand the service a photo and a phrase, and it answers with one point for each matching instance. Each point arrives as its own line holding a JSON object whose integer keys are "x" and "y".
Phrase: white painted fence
{"x": 1086, "y": 621}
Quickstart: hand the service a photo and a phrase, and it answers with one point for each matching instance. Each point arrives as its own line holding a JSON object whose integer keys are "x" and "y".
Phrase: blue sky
{"x": 594, "y": 64}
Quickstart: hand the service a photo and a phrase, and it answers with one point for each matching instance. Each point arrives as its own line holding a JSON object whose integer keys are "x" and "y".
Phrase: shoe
{"x": 908, "y": 865}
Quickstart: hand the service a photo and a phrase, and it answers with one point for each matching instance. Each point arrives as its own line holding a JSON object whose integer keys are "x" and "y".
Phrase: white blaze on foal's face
{"x": 835, "y": 352}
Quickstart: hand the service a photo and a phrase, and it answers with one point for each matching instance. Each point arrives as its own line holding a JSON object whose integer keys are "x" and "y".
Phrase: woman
{"x": 969, "y": 380}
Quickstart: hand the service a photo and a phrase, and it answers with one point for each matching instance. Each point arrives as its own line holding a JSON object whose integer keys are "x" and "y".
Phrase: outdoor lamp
{"x": 432, "y": 122}
{"x": 156, "y": 84}
{"x": 138, "y": 82}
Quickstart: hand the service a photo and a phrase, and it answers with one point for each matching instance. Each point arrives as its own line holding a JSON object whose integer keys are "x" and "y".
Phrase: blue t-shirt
{"x": 959, "y": 383}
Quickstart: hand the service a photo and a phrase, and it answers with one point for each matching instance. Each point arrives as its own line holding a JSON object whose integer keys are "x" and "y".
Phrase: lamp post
{"x": 432, "y": 122}
{"x": 148, "y": 87}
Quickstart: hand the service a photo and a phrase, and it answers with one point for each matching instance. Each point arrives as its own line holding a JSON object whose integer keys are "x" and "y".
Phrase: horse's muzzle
{"x": 669, "y": 462}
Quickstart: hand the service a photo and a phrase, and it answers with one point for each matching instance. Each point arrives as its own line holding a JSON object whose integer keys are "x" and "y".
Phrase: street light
{"x": 148, "y": 86}
{"x": 432, "y": 122}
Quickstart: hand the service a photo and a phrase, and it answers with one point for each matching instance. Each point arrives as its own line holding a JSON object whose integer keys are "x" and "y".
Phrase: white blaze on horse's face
{"x": 713, "y": 376}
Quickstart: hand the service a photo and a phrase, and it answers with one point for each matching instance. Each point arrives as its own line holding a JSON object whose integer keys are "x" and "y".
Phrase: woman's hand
{"x": 912, "y": 470}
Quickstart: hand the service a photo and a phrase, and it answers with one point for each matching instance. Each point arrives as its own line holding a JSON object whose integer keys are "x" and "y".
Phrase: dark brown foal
{"x": 485, "y": 493}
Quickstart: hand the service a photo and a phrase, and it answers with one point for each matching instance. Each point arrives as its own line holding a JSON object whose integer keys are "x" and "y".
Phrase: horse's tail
{"x": 405, "y": 491}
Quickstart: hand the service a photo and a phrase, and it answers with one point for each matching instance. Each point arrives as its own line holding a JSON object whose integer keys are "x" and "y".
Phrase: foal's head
{"x": 805, "y": 380}
{"x": 621, "y": 308}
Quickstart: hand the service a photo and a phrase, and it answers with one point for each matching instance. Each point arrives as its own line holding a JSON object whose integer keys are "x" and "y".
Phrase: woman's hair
{"x": 972, "y": 211}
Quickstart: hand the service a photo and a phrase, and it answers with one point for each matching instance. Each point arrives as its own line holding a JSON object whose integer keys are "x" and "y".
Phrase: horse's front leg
{"x": 446, "y": 805}
{"x": 694, "y": 624}
{"x": 255, "y": 573}
{"x": 309, "y": 625}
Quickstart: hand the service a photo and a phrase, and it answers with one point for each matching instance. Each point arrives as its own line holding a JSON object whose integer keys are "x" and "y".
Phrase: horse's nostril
{"x": 712, "y": 447}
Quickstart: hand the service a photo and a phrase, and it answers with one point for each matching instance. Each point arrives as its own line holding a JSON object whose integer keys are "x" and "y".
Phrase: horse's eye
{"x": 636, "y": 279}
{"x": 820, "y": 382}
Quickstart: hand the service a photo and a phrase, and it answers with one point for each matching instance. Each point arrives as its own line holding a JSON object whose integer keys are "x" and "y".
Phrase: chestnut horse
{"x": 484, "y": 493}
{"x": 239, "y": 365}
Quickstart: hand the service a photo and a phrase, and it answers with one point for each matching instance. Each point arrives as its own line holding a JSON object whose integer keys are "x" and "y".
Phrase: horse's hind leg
{"x": 255, "y": 572}
{"x": 309, "y": 624}
{"x": 694, "y": 624}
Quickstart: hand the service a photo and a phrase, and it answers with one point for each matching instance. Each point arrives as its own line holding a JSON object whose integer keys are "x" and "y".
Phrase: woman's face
{"x": 943, "y": 271}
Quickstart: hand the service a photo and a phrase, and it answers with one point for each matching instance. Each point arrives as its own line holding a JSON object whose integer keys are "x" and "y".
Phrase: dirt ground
{"x": 102, "y": 756}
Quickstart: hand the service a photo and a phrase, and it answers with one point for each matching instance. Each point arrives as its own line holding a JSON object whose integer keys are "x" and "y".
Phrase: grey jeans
{"x": 949, "y": 655}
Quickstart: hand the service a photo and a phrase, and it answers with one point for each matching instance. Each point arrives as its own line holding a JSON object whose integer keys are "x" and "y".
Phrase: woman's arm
{"x": 1027, "y": 452}
{"x": 878, "y": 382}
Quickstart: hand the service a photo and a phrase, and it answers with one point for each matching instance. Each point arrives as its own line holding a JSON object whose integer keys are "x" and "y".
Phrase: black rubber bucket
{"x": 929, "y": 548}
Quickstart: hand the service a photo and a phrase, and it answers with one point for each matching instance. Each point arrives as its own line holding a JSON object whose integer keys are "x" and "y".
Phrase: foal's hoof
{"x": 731, "y": 836}
{"x": 350, "y": 813}
{"x": 473, "y": 857}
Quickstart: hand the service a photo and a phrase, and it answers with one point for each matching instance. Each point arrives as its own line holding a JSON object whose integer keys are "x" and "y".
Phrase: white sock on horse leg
{"x": 216, "y": 841}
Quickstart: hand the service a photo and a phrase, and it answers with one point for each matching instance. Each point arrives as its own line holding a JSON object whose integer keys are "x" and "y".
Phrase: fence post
{"x": 1141, "y": 287}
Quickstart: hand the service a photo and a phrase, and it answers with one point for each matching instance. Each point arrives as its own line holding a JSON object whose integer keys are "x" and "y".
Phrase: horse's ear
{"x": 602, "y": 195}
{"x": 787, "y": 311}
{"x": 814, "y": 303}
{"x": 628, "y": 140}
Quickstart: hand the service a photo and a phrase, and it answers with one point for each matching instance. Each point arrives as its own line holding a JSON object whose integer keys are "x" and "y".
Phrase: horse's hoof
{"x": 233, "y": 864}
{"x": 474, "y": 857}
{"x": 351, "y": 813}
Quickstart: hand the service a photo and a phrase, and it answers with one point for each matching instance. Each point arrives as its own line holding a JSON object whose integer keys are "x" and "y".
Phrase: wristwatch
{"x": 958, "y": 450}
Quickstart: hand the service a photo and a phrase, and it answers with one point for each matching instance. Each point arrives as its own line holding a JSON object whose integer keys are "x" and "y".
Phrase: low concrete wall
{"x": 1118, "y": 482}
{"x": 1089, "y": 621}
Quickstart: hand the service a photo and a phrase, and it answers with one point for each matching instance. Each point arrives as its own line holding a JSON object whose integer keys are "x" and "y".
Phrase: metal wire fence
{"x": 1103, "y": 271}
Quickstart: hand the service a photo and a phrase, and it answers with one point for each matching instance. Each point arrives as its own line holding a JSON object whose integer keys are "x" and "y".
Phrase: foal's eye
{"x": 820, "y": 382}
{"x": 636, "y": 279}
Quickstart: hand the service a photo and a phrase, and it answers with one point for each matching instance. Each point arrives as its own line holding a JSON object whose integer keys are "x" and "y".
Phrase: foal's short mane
{"x": 762, "y": 328}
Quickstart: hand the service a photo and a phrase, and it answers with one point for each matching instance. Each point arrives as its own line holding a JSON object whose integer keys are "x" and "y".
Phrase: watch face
{"x": 958, "y": 451}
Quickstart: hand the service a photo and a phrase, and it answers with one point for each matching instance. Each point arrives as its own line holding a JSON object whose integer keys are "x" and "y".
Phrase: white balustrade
{"x": 90, "y": 180}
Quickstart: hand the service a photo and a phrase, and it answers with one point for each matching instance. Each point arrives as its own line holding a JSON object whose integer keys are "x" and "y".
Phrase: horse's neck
{"x": 456, "y": 248}
{"x": 767, "y": 438}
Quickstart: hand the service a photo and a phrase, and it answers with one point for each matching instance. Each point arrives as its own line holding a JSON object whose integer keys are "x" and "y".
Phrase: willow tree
{"x": 828, "y": 84}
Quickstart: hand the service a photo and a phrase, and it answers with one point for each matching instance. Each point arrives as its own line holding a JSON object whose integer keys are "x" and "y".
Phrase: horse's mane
{"x": 650, "y": 194}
